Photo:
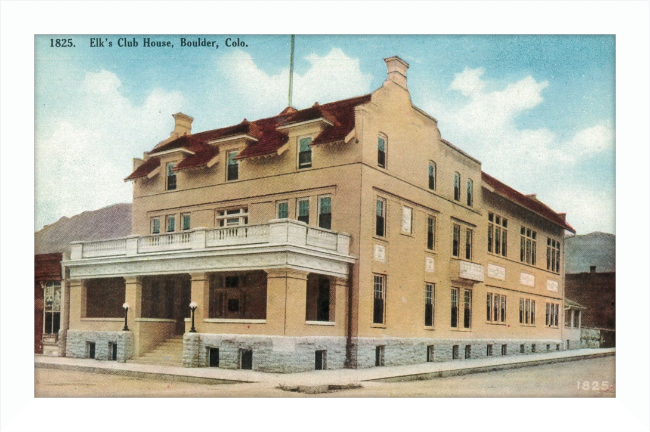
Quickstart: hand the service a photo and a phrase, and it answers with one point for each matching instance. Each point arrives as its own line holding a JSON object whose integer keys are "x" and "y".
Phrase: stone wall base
{"x": 298, "y": 354}
{"x": 78, "y": 344}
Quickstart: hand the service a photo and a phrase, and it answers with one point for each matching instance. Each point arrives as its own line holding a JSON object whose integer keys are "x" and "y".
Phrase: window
{"x": 233, "y": 217}
{"x": 467, "y": 310}
{"x": 186, "y": 221}
{"x": 171, "y": 223}
{"x": 304, "y": 152}
{"x": 380, "y": 299}
{"x": 90, "y": 347}
{"x": 303, "y": 210}
{"x": 379, "y": 355}
{"x": 528, "y": 253}
{"x": 496, "y": 308}
{"x": 320, "y": 305}
{"x": 283, "y": 210}
{"x": 233, "y": 166}
{"x": 246, "y": 359}
{"x": 430, "y": 353}
{"x": 457, "y": 186}
{"x": 470, "y": 193}
{"x": 381, "y": 152}
{"x": 429, "y": 293}
{"x": 112, "y": 350}
{"x": 432, "y": 175}
{"x": 454, "y": 352}
{"x": 468, "y": 244}
{"x": 325, "y": 212}
{"x": 497, "y": 234}
{"x": 155, "y": 225}
{"x": 527, "y": 311}
{"x": 522, "y": 348}
{"x": 238, "y": 296}
{"x": 431, "y": 233}
{"x": 533, "y": 348}
{"x": 214, "y": 357}
{"x": 504, "y": 349}
{"x": 552, "y": 314}
{"x": 454, "y": 307}
{"x": 553, "y": 255}
{"x": 52, "y": 307}
{"x": 380, "y": 221}
{"x": 407, "y": 220}
{"x": 455, "y": 248}
{"x": 171, "y": 176}
{"x": 320, "y": 360}
{"x": 489, "y": 350}
{"x": 468, "y": 351}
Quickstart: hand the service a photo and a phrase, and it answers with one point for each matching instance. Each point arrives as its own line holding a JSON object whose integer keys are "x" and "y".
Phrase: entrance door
{"x": 323, "y": 302}
{"x": 246, "y": 359}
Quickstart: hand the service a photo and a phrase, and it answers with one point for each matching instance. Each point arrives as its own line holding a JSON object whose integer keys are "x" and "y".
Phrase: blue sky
{"x": 538, "y": 111}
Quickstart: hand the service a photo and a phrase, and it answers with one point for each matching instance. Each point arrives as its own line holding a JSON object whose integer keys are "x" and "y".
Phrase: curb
{"x": 483, "y": 369}
{"x": 139, "y": 374}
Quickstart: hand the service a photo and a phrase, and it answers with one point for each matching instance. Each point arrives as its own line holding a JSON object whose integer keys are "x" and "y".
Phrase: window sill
{"x": 234, "y": 321}
{"x": 379, "y": 326}
{"x": 381, "y": 239}
{"x": 431, "y": 251}
{"x": 321, "y": 323}
{"x": 529, "y": 325}
{"x": 103, "y": 319}
{"x": 495, "y": 323}
{"x": 166, "y": 320}
{"x": 407, "y": 234}
{"x": 464, "y": 330}
{"x": 429, "y": 328}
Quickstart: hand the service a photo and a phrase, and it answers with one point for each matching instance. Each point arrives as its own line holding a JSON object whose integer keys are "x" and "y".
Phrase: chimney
{"x": 397, "y": 70}
{"x": 182, "y": 125}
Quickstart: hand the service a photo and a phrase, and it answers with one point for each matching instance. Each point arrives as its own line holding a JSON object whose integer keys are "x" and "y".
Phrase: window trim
{"x": 152, "y": 225}
{"x": 185, "y": 216}
{"x": 170, "y": 223}
{"x": 241, "y": 215}
{"x": 299, "y": 152}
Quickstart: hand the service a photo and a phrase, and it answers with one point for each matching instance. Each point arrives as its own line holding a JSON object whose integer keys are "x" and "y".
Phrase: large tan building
{"x": 348, "y": 234}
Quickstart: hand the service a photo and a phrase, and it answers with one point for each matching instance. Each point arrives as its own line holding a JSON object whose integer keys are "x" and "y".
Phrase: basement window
{"x": 468, "y": 351}
{"x": 90, "y": 349}
{"x": 430, "y": 353}
{"x": 379, "y": 355}
{"x": 454, "y": 352}
{"x": 321, "y": 360}
{"x": 489, "y": 350}
{"x": 504, "y": 349}
{"x": 213, "y": 354}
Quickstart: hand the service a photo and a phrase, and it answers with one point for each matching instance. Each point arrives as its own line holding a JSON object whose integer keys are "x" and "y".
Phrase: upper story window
{"x": 455, "y": 246}
{"x": 432, "y": 175}
{"x": 470, "y": 193}
{"x": 155, "y": 225}
{"x": 378, "y": 313}
{"x": 431, "y": 233}
{"x": 381, "y": 152}
{"x": 283, "y": 210}
{"x": 469, "y": 242}
{"x": 528, "y": 252}
{"x": 233, "y": 217}
{"x": 407, "y": 220}
{"x": 457, "y": 186}
{"x": 497, "y": 234}
{"x": 553, "y": 255}
{"x": 171, "y": 176}
{"x": 496, "y": 308}
{"x": 527, "y": 310}
{"x": 186, "y": 221}
{"x": 171, "y": 223}
{"x": 380, "y": 220}
{"x": 429, "y": 301}
{"x": 325, "y": 212}
{"x": 304, "y": 152}
{"x": 303, "y": 210}
{"x": 233, "y": 166}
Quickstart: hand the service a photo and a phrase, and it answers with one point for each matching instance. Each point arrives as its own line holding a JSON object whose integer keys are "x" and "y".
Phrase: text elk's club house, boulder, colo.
{"x": 344, "y": 235}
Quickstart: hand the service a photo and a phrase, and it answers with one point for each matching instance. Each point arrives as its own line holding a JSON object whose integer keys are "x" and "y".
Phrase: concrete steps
{"x": 167, "y": 353}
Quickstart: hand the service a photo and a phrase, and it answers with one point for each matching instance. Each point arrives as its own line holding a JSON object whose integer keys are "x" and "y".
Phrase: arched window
{"x": 432, "y": 175}
{"x": 381, "y": 151}
{"x": 457, "y": 186}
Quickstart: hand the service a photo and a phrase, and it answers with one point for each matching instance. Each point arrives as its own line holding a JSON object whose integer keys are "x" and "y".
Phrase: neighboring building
{"x": 597, "y": 291}
{"x": 47, "y": 303}
{"x": 348, "y": 234}
{"x": 587, "y": 250}
{"x": 572, "y": 323}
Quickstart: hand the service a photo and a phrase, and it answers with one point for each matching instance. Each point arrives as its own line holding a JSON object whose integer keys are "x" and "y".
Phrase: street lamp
{"x": 126, "y": 316}
{"x": 193, "y": 307}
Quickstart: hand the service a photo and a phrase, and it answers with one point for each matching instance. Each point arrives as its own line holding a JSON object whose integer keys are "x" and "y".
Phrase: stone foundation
{"x": 77, "y": 344}
{"x": 270, "y": 353}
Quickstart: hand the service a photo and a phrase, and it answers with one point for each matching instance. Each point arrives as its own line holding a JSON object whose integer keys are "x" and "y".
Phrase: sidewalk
{"x": 318, "y": 378}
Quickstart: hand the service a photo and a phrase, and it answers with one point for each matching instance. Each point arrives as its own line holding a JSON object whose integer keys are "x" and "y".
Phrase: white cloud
{"x": 331, "y": 77}
{"x": 81, "y": 164}
{"x": 468, "y": 81}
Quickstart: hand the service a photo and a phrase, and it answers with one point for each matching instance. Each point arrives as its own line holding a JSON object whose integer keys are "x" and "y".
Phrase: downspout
{"x": 348, "y": 343}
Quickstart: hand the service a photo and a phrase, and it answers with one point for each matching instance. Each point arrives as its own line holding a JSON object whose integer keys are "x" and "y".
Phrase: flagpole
{"x": 291, "y": 71}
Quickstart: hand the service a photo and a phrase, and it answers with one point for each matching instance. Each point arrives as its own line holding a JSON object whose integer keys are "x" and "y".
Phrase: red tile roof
{"x": 149, "y": 165}
{"x": 531, "y": 204}
{"x": 268, "y": 138}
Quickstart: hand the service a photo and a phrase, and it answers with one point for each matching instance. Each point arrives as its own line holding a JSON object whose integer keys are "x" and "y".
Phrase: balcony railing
{"x": 276, "y": 232}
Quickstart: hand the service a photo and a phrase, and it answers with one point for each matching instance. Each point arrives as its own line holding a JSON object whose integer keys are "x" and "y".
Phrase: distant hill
{"x": 108, "y": 222}
{"x": 594, "y": 249}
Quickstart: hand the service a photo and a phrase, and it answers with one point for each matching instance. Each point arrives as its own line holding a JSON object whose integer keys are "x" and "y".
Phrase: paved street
{"x": 584, "y": 378}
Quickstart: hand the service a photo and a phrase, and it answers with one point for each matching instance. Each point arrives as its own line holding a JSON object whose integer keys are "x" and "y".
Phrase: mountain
{"x": 594, "y": 249}
{"x": 109, "y": 222}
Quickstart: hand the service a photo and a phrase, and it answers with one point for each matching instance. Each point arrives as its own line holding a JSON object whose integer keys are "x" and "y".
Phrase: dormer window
{"x": 171, "y": 176}
{"x": 381, "y": 152}
{"x": 304, "y": 153}
{"x": 233, "y": 166}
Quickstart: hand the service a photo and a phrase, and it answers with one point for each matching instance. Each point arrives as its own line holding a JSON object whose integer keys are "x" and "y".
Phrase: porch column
{"x": 296, "y": 301}
{"x": 579, "y": 320}
{"x": 572, "y": 317}
{"x": 339, "y": 298}
{"x": 65, "y": 313}
{"x": 201, "y": 296}
{"x": 133, "y": 296}
{"x": 76, "y": 302}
